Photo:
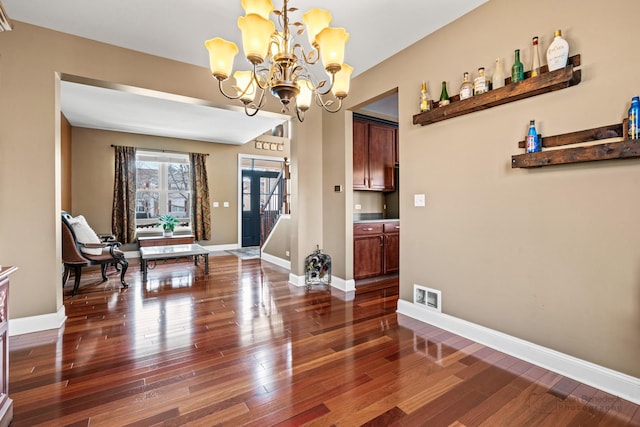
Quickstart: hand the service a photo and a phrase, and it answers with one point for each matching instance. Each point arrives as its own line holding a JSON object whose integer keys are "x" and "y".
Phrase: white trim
{"x": 296, "y": 280}
{"x": 343, "y": 285}
{"x": 608, "y": 380}
{"x": 336, "y": 282}
{"x": 42, "y": 322}
{"x": 239, "y": 183}
{"x": 275, "y": 260}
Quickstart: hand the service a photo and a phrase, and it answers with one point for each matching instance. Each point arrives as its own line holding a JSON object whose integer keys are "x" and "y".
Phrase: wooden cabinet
{"x": 391, "y": 247}
{"x": 6, "y": 404}
{"x": 367, "y": 250}
{"x": 376, "y": 249}
{"x": 374, "y": 155}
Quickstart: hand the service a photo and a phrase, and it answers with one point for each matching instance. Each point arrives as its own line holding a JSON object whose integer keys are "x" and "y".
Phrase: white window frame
{"x": 163, "y": 159}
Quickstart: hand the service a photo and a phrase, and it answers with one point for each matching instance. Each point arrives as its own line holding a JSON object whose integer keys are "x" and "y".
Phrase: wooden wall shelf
{"x": 624, "y": 149}
{"x": 531, "y": 86}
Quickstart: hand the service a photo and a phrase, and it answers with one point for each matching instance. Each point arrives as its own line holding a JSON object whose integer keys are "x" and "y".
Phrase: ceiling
{"x": 177, "y": 29}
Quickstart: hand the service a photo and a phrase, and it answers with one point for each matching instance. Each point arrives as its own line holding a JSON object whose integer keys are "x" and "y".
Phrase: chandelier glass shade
{"x": 281, "y": 66}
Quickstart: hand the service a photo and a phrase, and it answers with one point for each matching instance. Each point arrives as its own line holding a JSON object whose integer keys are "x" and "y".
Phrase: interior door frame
{"x": 242, "y": 157}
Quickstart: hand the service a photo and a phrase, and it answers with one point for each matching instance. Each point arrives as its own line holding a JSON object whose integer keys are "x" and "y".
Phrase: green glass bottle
{"x": 444, "y": 96}
{"x": 517, "y": 70}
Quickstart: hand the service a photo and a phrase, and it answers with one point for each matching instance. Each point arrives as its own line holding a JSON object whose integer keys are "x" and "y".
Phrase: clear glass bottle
{"x": 535, "y": 62}
{"x": 533, "y": 142}
{"x": 480, "y": 83}
{"x": 498, "y": 75}
{"x": 517, "y": 70}
{"x": 558, "y": 52}
{"x": 444, "y": 96}
{"x": 634, "y": 119}
{"x": 425, "y": 103}
{"x": 466, "y": 88}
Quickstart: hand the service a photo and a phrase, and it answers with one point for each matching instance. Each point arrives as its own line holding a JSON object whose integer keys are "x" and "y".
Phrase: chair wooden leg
{"x": 77, "y": 271}
{"x": 125, "y": 264}
{"x": 65, "y": 275}
{"x": 103, "y": 270}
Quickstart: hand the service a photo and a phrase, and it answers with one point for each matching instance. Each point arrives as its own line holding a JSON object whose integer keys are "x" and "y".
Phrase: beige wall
{"x": 30, "y": 147}
{"x": 93, "y": 169}
{"x": 279, "y": 243}
{"x": 549, "y": 255}
{"x": 65, "y": 163}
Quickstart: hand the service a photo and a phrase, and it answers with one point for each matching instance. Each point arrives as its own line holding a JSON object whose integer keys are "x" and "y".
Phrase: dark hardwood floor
{"x": 243, "y": 347}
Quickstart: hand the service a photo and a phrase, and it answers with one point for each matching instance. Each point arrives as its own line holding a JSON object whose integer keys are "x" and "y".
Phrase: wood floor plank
{"x": 241, "y": 346}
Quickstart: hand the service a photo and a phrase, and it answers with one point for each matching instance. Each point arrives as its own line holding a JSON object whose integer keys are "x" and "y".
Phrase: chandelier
{"x": 280, "y": 65}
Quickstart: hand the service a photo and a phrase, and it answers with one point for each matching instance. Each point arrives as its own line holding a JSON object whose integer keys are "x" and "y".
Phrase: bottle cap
{"x": 424, "y": 85}
{"x": 532, "y": 122}
{"x": 535, "y": 40}
{"x": 558, "y": 33}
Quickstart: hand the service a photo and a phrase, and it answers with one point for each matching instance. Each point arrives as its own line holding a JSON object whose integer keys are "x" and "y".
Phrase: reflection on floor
{"x": 250, "y": 252}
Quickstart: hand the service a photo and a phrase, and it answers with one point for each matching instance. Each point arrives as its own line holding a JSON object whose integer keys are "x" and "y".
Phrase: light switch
{"x": 225, "y": 204}
{"x": 419, "y": 200}
{"x": 216, "y": 204}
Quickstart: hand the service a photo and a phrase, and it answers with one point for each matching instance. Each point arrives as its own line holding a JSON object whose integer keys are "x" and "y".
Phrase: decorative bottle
{"x": 535, "y": 65}
{"x": 634, "y": 120}
{"x": 533, "y": 142}
{"x": 424, "y": 98}
{"x": 517, "y": 70}
{"x": 444, "y": 96}
{"x": 498, "y": 75}
{"x": 558, "y": 52}
{"x": 480, "y": 83}
{"x": 466, "y": 88}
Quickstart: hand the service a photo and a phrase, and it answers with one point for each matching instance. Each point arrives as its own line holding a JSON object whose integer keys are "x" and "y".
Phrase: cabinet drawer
{"x": 367, "y": 228}
{"x": 391, "y": 227}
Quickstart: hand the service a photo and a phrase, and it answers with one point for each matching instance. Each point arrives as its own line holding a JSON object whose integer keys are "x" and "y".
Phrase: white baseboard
{"x": 296, "y": 280}
{"x": 343, "y": 285}
{"x": 347, "y": 287}
{"x": 42, "y": 322}
{"x": 608, "y": 380}
{"x": 275, "y": 260}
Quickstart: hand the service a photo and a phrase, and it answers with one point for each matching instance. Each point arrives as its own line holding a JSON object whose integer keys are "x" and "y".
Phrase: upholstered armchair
{"x": 81, "y": 247}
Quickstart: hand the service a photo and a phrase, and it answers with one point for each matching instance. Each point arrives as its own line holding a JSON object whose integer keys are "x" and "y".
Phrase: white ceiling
{"x": 177, "y": 29}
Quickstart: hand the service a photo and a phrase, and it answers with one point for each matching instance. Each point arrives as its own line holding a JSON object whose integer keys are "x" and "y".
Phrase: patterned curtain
{"x": 200, "y": 195}
{"x": 123, "y": 217}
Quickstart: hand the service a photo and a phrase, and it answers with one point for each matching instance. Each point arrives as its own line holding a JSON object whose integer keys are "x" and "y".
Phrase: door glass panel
{"x": 246, "y": 193}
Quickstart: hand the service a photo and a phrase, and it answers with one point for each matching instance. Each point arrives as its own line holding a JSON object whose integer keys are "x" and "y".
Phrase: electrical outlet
{"x": 225, "y": 204}
{"x": 419, "y": 200}
{"x": 358, "y": 207}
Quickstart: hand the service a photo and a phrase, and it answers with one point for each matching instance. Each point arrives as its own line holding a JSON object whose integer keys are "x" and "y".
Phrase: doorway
{"x": 258, "y": 180}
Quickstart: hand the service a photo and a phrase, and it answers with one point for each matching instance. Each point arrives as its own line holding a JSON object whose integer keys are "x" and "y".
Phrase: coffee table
{"x": 154, "y": 253}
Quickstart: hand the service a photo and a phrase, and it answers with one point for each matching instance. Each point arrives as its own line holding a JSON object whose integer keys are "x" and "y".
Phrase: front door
{"x": 256, "y": 185}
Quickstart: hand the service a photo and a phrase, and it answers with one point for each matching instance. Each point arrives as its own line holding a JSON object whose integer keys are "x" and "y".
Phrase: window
{"x": 163, "y": 183}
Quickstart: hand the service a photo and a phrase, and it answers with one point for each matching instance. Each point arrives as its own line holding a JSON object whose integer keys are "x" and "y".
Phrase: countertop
{"x": 361, "y": 221}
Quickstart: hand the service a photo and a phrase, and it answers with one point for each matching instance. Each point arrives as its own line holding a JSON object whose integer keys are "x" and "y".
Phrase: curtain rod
{"x": 158, "y": 150}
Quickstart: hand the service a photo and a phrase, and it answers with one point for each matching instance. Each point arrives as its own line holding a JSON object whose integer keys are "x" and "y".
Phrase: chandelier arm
{"x": 225, "y": 94}
{"x": 256, "y": 71}
{"x": 312, "y": 58}
{"x": 253, "y": 106}
{"x": 325, "y": 105}
{"x": 326, "y": 92}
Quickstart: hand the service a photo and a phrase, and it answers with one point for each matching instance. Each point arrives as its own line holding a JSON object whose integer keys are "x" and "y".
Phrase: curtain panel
{"x": 200, "y": 194}
{"x": 123, "y": 217}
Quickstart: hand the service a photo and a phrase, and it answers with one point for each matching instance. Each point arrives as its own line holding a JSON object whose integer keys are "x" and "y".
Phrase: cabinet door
{"x": 367, "y": 256}
{"x": 391, "y": 253}
{"x": 360, "y": 155}
{"x": 381, "y": 157}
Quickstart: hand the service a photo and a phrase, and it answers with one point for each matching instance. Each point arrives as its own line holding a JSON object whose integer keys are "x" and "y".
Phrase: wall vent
{"x": 427, "y": 298}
